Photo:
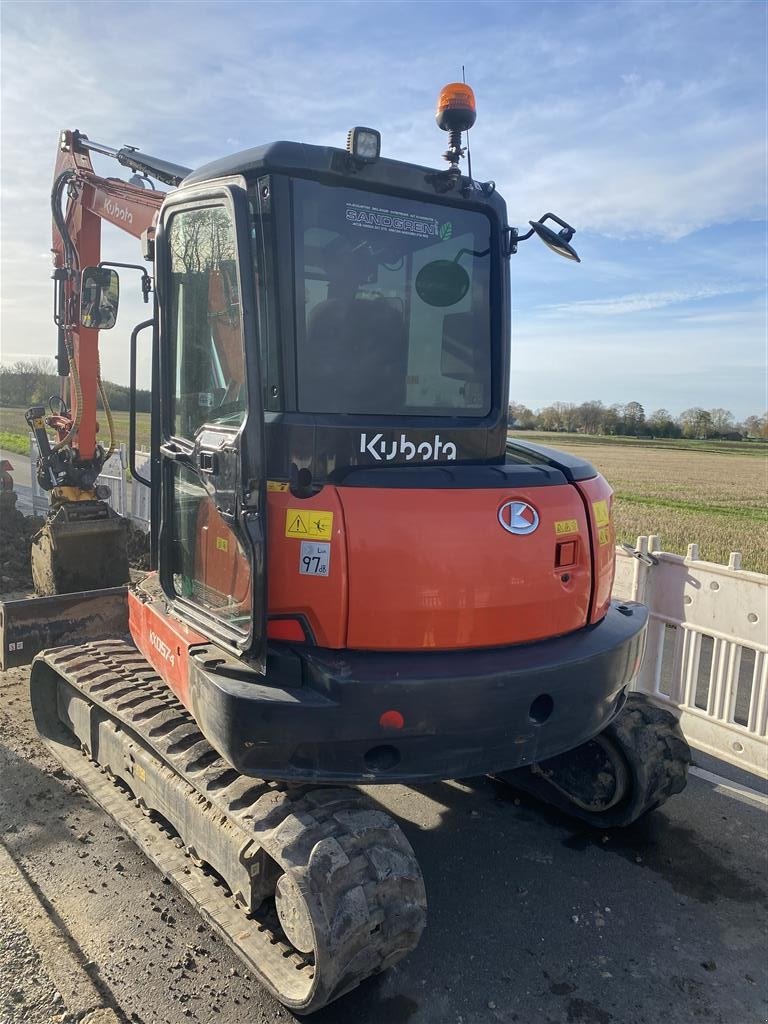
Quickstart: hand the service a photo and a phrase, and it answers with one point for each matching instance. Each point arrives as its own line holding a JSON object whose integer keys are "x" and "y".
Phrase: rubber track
{"x": 656, "y": 755}
{"x": 351, "y": 862}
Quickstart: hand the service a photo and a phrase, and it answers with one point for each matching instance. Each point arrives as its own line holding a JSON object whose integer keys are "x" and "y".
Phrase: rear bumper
{"x": 464, "y": 713}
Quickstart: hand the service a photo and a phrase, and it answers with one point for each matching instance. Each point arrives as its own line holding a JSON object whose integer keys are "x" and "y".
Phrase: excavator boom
{"x": 82, "y": 545}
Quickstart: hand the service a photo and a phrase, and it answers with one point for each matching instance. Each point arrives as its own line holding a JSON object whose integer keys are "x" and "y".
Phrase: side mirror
{"x": 99, "y": 298}
{"x": 558, "y": 241}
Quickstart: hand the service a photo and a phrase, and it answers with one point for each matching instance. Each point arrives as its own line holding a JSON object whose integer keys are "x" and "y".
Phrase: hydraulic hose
{"x": 75, "y": 387}
{"x": 107, "y": 409}
{"x": 70, "y": 252}
{"x": 71, "y": 264}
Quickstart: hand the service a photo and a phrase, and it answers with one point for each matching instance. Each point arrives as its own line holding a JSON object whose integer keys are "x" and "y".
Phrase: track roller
{"x": 633, "y": 766}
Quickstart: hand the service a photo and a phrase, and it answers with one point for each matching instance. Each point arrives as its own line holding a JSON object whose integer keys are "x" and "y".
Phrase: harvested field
{"x": 716, "y": 499}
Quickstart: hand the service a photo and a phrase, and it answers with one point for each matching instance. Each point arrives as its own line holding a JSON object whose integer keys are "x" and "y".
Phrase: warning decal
{"x": 602, "y": 517}
{"x": 564, "y": 526}
{"x": 308, "y": 524}
{"x": 604, "y": 535}
{"x": 276, "y": 485}
{"x": 222, "y": 544}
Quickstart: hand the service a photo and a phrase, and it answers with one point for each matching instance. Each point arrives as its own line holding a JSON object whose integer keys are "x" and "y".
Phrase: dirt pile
{"x": 16, "y": 533}
{"x": 137, "y": 543}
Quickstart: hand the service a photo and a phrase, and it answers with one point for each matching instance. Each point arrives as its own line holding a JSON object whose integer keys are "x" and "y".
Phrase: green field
{"x": 14, "y": 433}
{"x": 688, "y": 492}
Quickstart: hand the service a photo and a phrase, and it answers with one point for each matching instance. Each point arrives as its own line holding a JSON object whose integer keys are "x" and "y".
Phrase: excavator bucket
{"x": 34, "y": 624}
{"x": 82, "y": 546}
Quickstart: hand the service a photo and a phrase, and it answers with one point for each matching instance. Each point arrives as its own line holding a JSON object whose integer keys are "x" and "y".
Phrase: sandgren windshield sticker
{"x": 395, "y": 222}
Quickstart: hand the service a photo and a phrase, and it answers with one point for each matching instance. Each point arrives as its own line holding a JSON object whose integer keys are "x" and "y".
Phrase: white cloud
{"x": 640, "y": 302}
{"x": 632, "y": 120}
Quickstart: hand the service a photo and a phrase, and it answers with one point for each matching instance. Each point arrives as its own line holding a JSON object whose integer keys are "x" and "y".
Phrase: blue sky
{"x": 643, "y": 124}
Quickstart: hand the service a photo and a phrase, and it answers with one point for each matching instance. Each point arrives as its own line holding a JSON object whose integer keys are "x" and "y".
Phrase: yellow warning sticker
{"x": 276, "y": 485}
{"x": 602, "y": 516}
{"x": 222, "y": 544}
{"x": 604, "y": 535}
{"x": 564, "y": 526}
{"x": 308, "y": 524}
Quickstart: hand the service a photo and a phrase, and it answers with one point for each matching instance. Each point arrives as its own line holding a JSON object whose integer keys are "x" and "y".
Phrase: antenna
{"x": 469, "y": 155}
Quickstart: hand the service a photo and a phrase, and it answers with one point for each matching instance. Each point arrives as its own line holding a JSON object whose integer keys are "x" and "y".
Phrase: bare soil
{"x": 16, "y": 533}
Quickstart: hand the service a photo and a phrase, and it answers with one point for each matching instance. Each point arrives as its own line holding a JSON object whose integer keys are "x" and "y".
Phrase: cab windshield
{"x": 393, "y": 313}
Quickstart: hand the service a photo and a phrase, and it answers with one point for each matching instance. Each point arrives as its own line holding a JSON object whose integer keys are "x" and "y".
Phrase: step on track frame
{"x": 348, "y": 878}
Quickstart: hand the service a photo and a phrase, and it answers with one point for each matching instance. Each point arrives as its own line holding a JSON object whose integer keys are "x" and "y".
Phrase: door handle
{"x": 174, "y": 452}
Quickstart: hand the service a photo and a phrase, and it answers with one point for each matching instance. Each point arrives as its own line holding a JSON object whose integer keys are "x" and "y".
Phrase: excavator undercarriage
{"x": 314, "y": 887}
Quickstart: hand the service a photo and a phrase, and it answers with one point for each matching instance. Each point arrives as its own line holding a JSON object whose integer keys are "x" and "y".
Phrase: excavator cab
{"x": 312, "y": 322}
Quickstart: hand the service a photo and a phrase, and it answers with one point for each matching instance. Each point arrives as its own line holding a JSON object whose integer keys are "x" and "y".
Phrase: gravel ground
{"x": 27, "y": 994}
{"x": 532, "y": 919}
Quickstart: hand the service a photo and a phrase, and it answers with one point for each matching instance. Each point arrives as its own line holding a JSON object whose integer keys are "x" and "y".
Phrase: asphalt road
{"x": 532, "y": 918}
{"x": 22, "y": 479}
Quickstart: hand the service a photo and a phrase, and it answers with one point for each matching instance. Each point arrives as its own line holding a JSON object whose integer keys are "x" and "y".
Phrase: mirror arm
{"x": 511, "y": 238}
{"x": 471, "y": 252}
{"x": 146, "y": 280}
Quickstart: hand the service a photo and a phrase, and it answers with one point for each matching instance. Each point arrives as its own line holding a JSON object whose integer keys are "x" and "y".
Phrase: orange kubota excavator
{"x": 357, "y": 577}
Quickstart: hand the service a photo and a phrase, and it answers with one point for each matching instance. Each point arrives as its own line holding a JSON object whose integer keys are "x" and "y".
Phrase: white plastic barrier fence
{"x": 112, "y": 475}
{"x": 707, "y": 651}
{"x": 140, "y": 507}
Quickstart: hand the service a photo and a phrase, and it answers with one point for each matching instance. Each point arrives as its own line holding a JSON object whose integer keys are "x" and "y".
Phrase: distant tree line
{"x": 33, "y": 381}
{"x": 631, "y": 420}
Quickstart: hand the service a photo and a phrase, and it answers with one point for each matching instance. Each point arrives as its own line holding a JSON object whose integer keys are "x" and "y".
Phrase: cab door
{"x": 212, "y": 535}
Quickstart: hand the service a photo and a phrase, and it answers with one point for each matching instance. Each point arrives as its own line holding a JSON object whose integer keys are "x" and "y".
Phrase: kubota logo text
{"x": 380, "y": 449}
{"x": 120, "y": 212}
{"x": 161, "y": 647}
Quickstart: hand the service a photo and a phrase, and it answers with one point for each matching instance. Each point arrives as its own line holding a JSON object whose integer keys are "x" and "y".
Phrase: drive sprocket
{"x": 636, "y": 764}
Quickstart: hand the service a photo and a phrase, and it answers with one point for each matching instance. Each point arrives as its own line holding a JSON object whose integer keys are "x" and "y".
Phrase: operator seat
{"x": 355, "y": 358}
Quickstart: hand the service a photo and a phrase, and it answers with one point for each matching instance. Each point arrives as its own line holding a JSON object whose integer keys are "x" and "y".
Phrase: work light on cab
{"x": 364, "y": 144}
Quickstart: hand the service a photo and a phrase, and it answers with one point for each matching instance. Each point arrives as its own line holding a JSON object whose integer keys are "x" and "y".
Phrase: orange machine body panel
{"x": 435, "y": 570}
{"x": 218, "y": 559}
{"x": 322, "y": 600}
{"x": 598, "y": 495}
{"x": 162, "y": 639}
{"x": 412, "y": 569}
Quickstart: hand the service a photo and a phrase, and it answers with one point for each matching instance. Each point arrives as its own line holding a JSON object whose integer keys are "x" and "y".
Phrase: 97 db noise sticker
{"x": 308, "y": 524}
{"x": 315, "y": 559}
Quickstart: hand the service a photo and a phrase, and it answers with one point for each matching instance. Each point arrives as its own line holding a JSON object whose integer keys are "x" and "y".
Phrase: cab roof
{"x": 332, "y": 164}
